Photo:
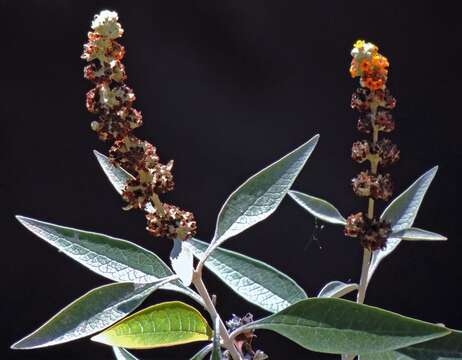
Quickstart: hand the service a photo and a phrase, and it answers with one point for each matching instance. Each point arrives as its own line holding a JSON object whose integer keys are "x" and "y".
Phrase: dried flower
{"x": 370, "y": 185}
{"x": 113, "y": 101}
{"x": 243, "y": 341}
{"x": 173, "y": 223}
{"x": 384, "y": 152}
{"x": 133, "y": 154}
{"x": 372, "y": 233}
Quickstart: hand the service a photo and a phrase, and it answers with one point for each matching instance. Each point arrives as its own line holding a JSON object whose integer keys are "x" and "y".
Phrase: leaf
{"x": 401, "y": 213}
{"x": 253, "y": 280}
{"x": 445, "y": 348}
{"x": 117, "y": 176}
{"x": 92, "y": 312}
{"x": 115, "y": 259}
{"x": 202, "y": 353}
{"x": 260, "y": 195}
{"x": 216, "y": 350}
{"x": 337, "y": 289}
{"x": 319, "y": 208}
{"x": 416, "y": 234}
{"x": 166, "y": 324}
{"x": 339, "y": 326}
{"x": 122, "y": 354}
{"x": 182, "y": 259}
{"x": 389, "y": 355}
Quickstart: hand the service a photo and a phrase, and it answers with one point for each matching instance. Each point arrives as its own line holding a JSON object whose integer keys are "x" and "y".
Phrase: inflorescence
{"x": 112, "y": 100}
{"x": 373, "y": 102}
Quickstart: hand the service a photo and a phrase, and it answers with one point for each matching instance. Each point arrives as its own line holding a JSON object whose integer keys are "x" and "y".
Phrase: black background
{"x": 226, "y": 87}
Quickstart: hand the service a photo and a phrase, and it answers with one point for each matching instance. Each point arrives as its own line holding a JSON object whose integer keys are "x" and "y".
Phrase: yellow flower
{"x": 359, "y": 44}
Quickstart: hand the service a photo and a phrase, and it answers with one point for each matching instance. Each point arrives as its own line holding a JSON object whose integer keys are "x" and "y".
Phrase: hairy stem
{"x": 210, "y": 307}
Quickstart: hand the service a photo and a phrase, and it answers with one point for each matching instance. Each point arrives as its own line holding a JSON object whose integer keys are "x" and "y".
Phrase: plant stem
{"x": 210, "y": 307}
{"x": 367, "y": 254}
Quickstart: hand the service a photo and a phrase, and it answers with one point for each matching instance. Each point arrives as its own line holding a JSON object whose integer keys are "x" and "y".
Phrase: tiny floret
{"x": 106, "y": 24}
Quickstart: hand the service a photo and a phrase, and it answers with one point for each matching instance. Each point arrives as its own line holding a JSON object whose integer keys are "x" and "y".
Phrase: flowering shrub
{"x": 324, "y": 323}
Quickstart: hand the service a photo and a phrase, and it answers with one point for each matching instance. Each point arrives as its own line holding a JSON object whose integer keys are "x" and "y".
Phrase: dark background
{"x": 226, "y": 87}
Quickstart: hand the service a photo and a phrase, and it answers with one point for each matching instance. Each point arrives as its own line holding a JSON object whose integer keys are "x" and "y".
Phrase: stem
{"x": 367, "y": 254}
{"x": 210, "y": 307}
{"x": 158, "y": 205}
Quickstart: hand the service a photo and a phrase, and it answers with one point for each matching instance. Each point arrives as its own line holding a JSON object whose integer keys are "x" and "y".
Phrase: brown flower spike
{"x": 374, "y": 102}
{"x": 112, "y": 100}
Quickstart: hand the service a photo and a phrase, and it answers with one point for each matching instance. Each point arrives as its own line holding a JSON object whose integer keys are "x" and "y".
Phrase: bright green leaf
{"x": 255, "y": 281}
{"x": 337, "y": 289}
{"x": 166, "y": 324}
{"x": 93, "y": 312}
{"x": 445, "y": 348}
{"x": 122, "y": 354}
{"x": 340, "y": 326}
{"x": 319, "y": 208}
{"x": 115, "y": 259}
{"x": 259, "y": 196}
{"x": 416, "y": 234}
{"x": 401, "y": 213}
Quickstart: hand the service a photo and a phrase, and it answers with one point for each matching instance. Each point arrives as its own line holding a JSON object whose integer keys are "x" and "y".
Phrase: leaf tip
{"x": 100, "y": 338}
{"x": 23, "y": 220}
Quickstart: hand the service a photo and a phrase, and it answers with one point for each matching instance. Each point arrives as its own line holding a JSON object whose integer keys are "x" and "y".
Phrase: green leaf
{"x": 216, "y": 350}
{"x": 389, "y": 355}
{"x": 337, "y": 289}
{"x": 115, "y": 259}
{"x": 445, "y": 348}
{"x": 340, "y": 326}
{"x": 92, "y": 312}
{"x": 255, "y": 281}
{"x": 202, "y": 353}
{"x": 182, "y": 260}
{"x": 166, "y": 324}
{"x": 319, "y": 208}
{"x": 259, "y": 196}
{"x": 416, "y": 234}
{"x": 117, "y": 176}
{"x": 122, "y": 354}
{"x": 401, "y": 213}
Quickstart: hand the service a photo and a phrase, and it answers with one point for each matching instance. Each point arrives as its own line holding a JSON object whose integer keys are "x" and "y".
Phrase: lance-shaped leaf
{"x": 93, "y": 312}
{"x": 319, "y": 208}
{"x": 401, "y": 213}
{"x": 416, "y": 234}
{"x": 340, "y": 326}
{"x": 182, "y": 259}
{"x": 115, "y": 259}
{"x": 117, "y": 176}
{"x": 337, "y": 289}
{"x": 202, "y": 353}
{"x": 255, "y": 281}
{"x": 122, "y": 354}
{"x": 445, "y": 348}
{"x": 259, "y": 196}
{"x": 166, "y": 324}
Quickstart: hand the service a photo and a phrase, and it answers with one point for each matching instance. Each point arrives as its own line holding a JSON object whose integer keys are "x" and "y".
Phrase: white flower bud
{"x": 106, "y": 25}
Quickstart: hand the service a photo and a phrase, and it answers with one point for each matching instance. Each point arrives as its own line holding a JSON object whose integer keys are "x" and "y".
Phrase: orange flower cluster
{"x": 369, "y": 65}
{"x": 112, "y": 101}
